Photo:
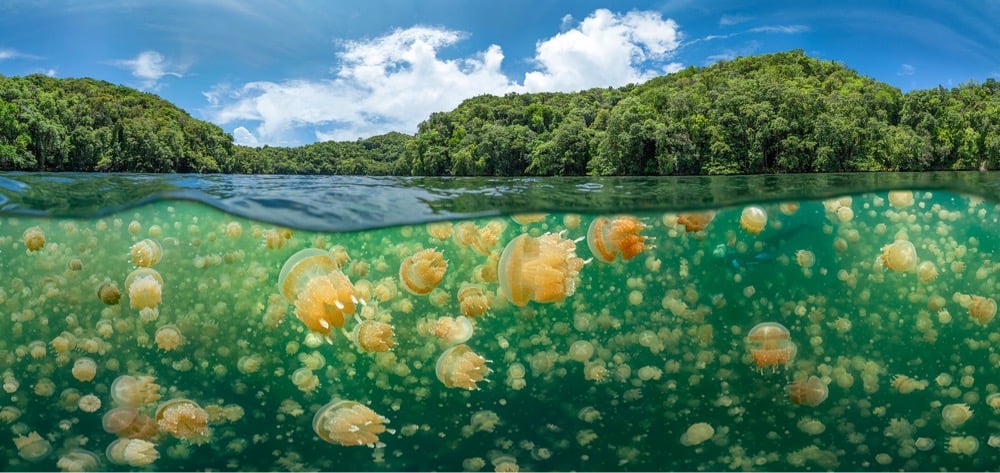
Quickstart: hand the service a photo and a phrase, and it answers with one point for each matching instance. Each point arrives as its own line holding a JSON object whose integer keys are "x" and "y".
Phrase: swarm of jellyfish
{"x": 851, "y": 333}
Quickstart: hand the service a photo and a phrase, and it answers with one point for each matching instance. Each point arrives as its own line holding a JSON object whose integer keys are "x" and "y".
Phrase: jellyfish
{"x": 696, "y": 434}
{"x": 32, "y": 447}
{"x": 900, "y": 255}
{"x": 954, "y": 415}
{"x": 529, "y": 218}
{"x": 119, "y": 419}
{"x": 966, "y": 445}
{"x": 89, "y": 403}
{"x": 133, "y": 391}
{"x": 771, "y": 346}
{"x": 696, "y": 221}
{"x": 79, "y": 459}
{"x": 146, "y": 253}
{"x": 753, "y": 219}
{"x": 900, "y": 199}
{"x": 321, "y": 293}
{"x": 132, "y": 452}
{"x": 805, "y": 258}
{"x": 349, "y": 423}
{"x": 982, "y": 309}
{"x": 810, "y": 392}
{"x": 906, "y": 385}
{"x": 373, "y": 336}
{"x": 184, "y": 419}
{"x": 34, "y": 239}
{"x": 460, "y": 367}
{"x": 109, "y": 293}
{"x": 611, "y": 238}
{"x": 423, "y": 271}
{"x": 472, "y": 300}
{"x": 84, "y": 369}
{"x": 542, "y": 269}
{"x": 169, "y": 337}
{"x": 145, "y": 288}
{"x": 452, "y": 330}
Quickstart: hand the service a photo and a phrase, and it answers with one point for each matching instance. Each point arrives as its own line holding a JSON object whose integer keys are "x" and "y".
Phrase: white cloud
{"x": 730, "y": 20}
{"x": 606, "y": 49}
{"x": 243, "y": 136}
{"x": 393, "y": 82}
{"x": 150, "y": 67}
{"x": 906, "y": 70}
{"x": 784, "y": 29}
{"x": 7, "y": 54}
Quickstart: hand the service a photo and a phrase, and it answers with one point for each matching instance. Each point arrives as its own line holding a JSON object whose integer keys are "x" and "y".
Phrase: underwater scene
{"x": 853, "y": 331}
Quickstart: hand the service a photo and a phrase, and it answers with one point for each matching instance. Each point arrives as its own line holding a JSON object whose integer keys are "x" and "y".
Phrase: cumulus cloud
{"x": 393, "y": 82}
{"x": 150, "y": 67}
{"x": 243, "y": 136}
{"x": 605, "y": 49}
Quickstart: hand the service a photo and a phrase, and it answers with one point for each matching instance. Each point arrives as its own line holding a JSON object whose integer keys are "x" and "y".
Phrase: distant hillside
{"x": 783, "y": 112}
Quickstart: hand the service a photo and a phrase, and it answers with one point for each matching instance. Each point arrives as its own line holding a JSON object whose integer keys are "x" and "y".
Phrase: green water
{"x": 668, "y": 328}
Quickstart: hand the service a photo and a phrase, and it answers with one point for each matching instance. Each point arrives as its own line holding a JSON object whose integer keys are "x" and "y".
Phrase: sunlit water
{"x": 668, "y": 328}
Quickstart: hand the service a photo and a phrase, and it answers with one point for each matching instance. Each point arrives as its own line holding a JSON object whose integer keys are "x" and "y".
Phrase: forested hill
{"x": 783, "y": 112}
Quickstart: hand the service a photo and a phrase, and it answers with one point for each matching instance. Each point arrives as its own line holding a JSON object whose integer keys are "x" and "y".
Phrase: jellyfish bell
{"x": 460, "y": 367}
{"x": 954, "y": 415}
{"x": 349, "y": 423}
{"x": 771, "y": 346}
{"x": 696, "y": 434}
{"x": 108, "y": 293}
{"x": 131, "y": 391}
{"x": 145, "y": 288}
{"x": 982, "y": 309}
{"x": 900, "y": 199}
{"x": 542, "y": 269}
{"x": 184, "y": 419}
{"x": 900, "y": 255}
{"x": 34, "y": 239}
{"x": 452, "y": 330}
{"x": 325, "y": 301}
{"x": 32, "y": 447}
{"x": 610, "y": 238}
{"x": 810, "y": 392}
{"x": 472, "y": 300}
{"x": 119, "y": 419}
{"x": 79, "y": 459}
{"x": 373, "y": 336}
{"x": 695, "y": 221}
{"x": 146, "y": 253}
{"x": 753, "y": 219}
{"x": 302, "y": 266}
{"x": 421, "y": 272}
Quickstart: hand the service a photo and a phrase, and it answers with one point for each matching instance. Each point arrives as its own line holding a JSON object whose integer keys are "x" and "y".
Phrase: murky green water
{"x": 667, "y": 329}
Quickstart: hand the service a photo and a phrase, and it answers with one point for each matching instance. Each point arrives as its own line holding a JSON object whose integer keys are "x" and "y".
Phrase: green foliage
{"x": 775, "y": 113}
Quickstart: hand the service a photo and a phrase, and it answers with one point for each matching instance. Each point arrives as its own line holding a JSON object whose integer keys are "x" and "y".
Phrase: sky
{"x": 292, "y": 72}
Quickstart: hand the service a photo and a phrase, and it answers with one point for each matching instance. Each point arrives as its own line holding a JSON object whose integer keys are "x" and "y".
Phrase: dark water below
{"x": 609, "y": 375}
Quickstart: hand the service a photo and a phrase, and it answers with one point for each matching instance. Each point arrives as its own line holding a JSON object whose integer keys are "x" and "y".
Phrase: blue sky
{"x": 293, "y": 72}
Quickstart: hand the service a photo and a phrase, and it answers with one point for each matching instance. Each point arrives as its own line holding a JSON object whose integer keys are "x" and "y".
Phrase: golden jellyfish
{"x": 119, "y": 420}
{"x": 321, "y": 293}
{"x": 460, "y": 367}
{"x": 609, "y": 238}
{"x": 349, "y": 423}
{"x": 695, "y": 221}
{"x": 927, "y": 271}
{"x": 472, "y": 300}
{"x": 34, "y": 239}
{"x": 906, "y": 385}
{"x": 966, "y": 445}
{"x": 696, "y": 434}
{"x": 900, "y": 199}
{"x": 132, "y": 452}
{"x": 89, "y": 403}
{"x": 169, "y": 337}
{"x": 145, "y": 288}
{"x": 982, "y": 309}
{"x": 527, "y": 219}
{"x": 452, "y": 330}
{"x": 542, "y": 269}
{"x": 771, "y": 346}
{"x": 373, "y": 336}
{"x": 108, "y": 293}
{"x": 900, "y": 255}
{"x": 84, "y": 369}
{"x": 805, "y": 258}
{"x": 79, "y": 459}
{"x": 421, "y": 272}
{"x": 32, "y": 447}
{"x": 146, "y": 253}
{"x": 184, "y": 419}
{"x": 954, "y": 415}
{"x": 131, "y": 391}
{"x": 753, "y": 219}
{"x": 810, "y": 392}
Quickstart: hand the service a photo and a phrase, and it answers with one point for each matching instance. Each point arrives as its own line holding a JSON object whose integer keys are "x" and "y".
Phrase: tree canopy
{"x": 774, "y": 113}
